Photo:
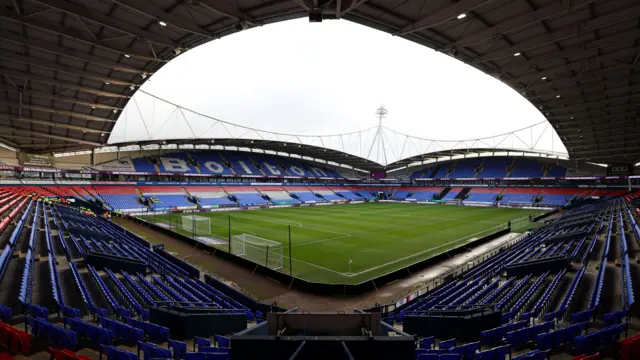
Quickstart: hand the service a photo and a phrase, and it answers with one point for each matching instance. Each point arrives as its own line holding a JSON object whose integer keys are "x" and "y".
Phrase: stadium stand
{"x": 277, "y": 194}
{"x": 208, "y": 196}
{"x": 120, "y": 197}
{"x": 484, "y": 195}
{"x": 166, "y": 196}
{"x": 303, "y": 194}
{"x": 245, "y": 195}
{"x": 231, "y": 163}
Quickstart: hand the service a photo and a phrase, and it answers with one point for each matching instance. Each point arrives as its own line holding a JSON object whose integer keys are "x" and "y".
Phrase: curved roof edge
{"x": 444, "y": 155}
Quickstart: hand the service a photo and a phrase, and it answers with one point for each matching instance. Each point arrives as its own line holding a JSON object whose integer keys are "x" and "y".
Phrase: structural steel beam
{"x": 31, "y": 60}
{"x": 564, "y": 33}
{"x": 148, "y": 9}
{"x": 72, "y": 34}
{"x": 56, "y": 111}
{"x": 528, "y": 18}
{"x": 65, "y": 51}
{"x": 62, "y": 84}
{"x": 60, "y": 98}
{"x": 52, "y": 136}
{"x": 52, "y": 124}
{"x": 589, "y": 48}
{"x": 446, "y": 13}
{"x": 108, "y": 21}
{"x": 225, "y": 8}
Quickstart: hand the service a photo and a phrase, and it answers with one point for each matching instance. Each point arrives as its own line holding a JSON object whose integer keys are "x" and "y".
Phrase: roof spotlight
{"x": 162, "y": 23}
{"x": 462, "y": 16}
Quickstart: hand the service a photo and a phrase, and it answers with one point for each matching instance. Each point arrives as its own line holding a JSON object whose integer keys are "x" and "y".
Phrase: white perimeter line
{"x": 416, "y": 254}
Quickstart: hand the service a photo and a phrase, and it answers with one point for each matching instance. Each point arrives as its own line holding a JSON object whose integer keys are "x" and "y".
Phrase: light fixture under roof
{"x": 127, "y": 55}
{"x": 516, "y": 54}
{"x": 544, "y": 78}
{"x": 93, "y": 107}
{"x": 107, "y": 83}
{"x": 462, "y": 16}
{"x": 558, "y": 96}
{"x": 162, "y": 23}
{"x": 573, "y": 117}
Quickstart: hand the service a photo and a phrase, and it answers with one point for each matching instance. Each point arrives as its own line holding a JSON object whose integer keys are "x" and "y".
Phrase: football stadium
{"x": 136, "y": 226}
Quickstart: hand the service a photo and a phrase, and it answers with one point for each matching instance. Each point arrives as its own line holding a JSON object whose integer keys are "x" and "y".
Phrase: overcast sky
{"x": 327, "y": 78}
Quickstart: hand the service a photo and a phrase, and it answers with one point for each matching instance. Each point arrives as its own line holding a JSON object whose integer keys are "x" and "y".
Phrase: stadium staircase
{"x": 257, "y": 166}
{"x": 226, "y": 163}
{"x": 510, "y": 168}
{"x": 463, "y": 194}
{"x": 451, "y": 170}
{"x": 479, "y": 169}
{"x": 433, "y": 171}
{"x": 193, "y": 162}
{"x": 443, "y": 193}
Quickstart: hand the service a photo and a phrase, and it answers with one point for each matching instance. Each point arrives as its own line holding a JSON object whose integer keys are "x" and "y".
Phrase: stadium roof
{"x": 69, "y": 67}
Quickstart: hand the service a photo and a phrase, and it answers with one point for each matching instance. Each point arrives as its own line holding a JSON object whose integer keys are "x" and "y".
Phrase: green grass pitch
{"x": 377, "y": 237}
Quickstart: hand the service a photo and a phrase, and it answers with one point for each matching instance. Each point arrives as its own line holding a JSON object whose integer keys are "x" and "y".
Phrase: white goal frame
{"x": 201, "y": 224}
{"x": 258, "y": 250}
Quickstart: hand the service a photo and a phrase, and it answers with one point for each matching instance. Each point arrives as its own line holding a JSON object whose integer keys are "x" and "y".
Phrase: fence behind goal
{"x": 258, "y": 250}
{"x": 200, "y": 225}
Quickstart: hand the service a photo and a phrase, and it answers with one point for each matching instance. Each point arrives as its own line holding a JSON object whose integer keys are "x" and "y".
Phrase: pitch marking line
{"x": 306, "y": 227}
{"x": 414, "y": 255}
{"x": 320, "y": 241}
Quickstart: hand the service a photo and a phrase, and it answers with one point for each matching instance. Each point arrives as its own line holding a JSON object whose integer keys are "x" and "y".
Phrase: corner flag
{"x": 350, "y": 261}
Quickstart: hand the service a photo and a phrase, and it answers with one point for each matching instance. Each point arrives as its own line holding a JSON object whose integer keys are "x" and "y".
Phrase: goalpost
{"x": 200, "y": 225}
{"x": 258, "y": 250}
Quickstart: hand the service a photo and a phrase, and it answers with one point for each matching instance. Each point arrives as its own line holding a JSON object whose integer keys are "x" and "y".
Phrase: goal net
{"x": 200, "y": 225}
{"x": 258, "y": 250}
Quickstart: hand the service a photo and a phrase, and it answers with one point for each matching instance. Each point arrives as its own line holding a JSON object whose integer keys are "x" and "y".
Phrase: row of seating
{"x": 558, "y": 337}
{"x": 591, "y": 342}
{"x": 91, "y": 333}
{"x": 627, "y": 298}
{"x": 6, "y": 255}
{"x": 52, "y": 333}
{"x": 14, "y": 340}
{"x": 126, "y": 333}
{"x": 66, "y": 354}
{"x": 567, "y": 299}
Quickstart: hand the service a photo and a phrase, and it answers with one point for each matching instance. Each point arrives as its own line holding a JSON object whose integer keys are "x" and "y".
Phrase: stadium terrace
{"x": 248, "y": 246}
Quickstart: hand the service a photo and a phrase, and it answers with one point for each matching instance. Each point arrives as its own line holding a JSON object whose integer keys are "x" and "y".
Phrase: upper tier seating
{"x": 495, "y": 167}
{"x": 230, "y": 163}
{"x": 524, "y": 167}
{"x": 490, "y": 167}
{"x": 120, "y": 197}
{"x": 466, "y": 168}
